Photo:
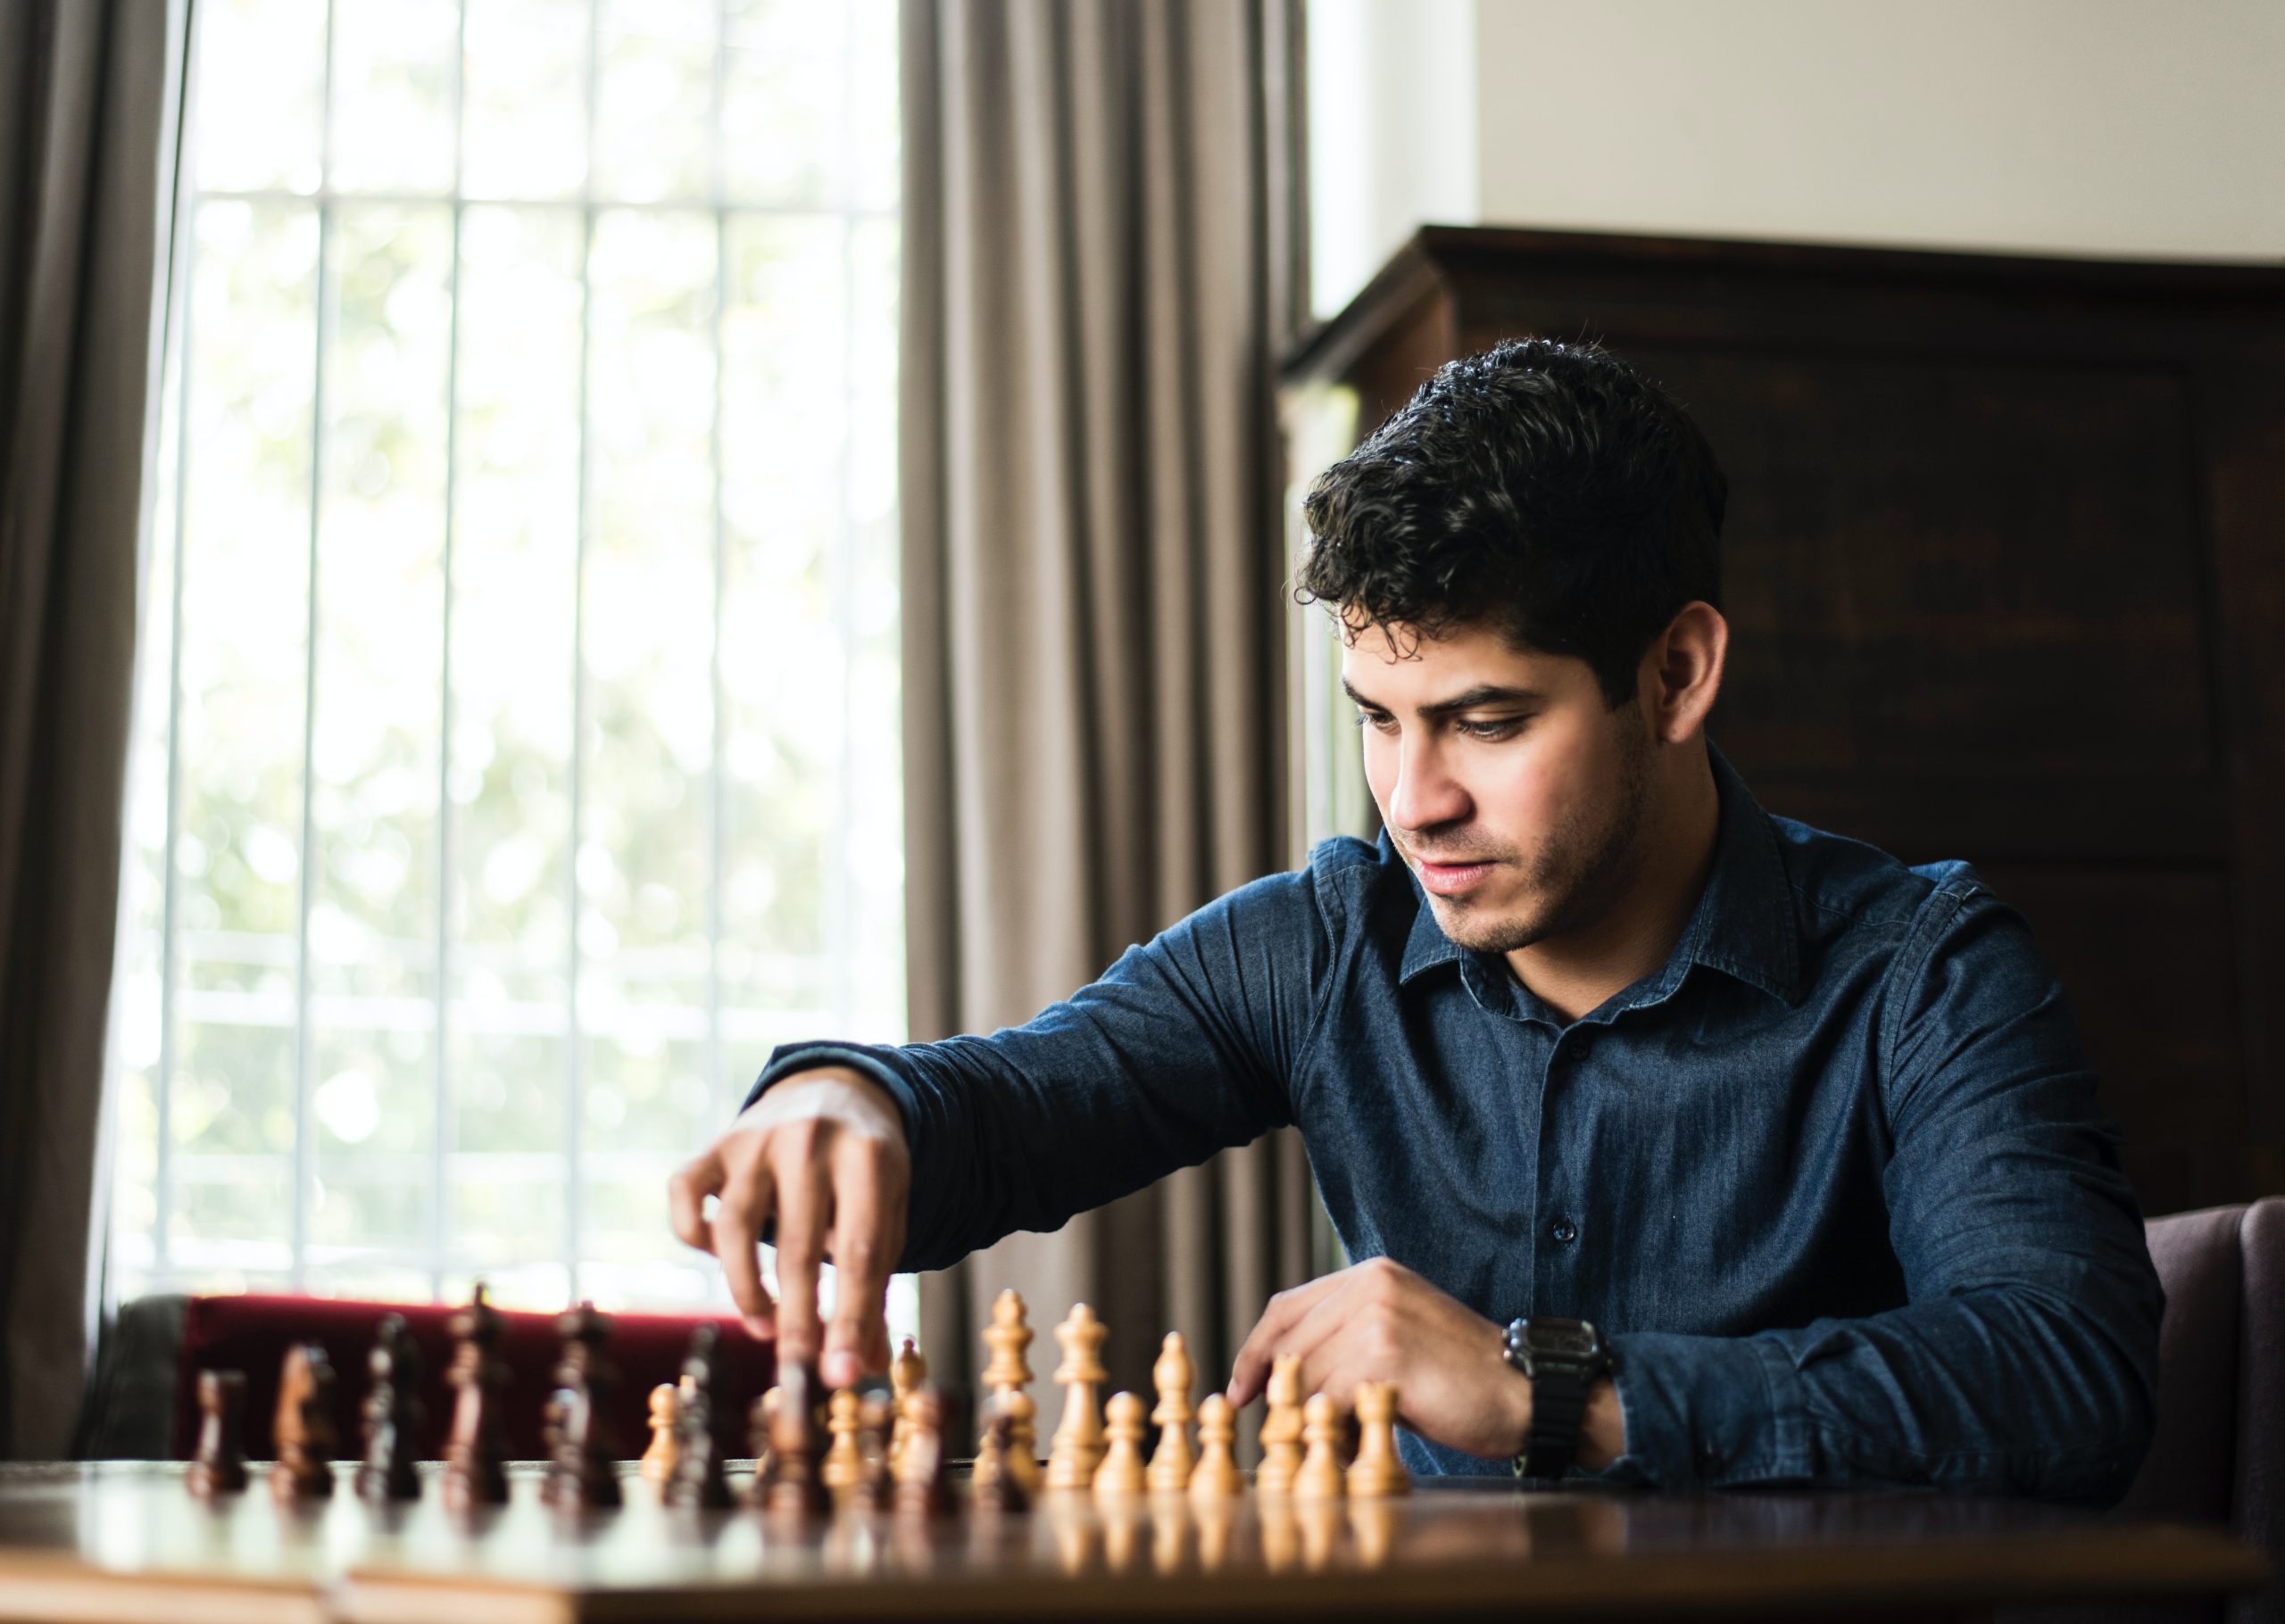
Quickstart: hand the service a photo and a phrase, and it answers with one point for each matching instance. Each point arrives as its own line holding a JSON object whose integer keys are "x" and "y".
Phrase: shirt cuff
{"x": 788, "y": 1058}
{"x": 1705, "y": 1411}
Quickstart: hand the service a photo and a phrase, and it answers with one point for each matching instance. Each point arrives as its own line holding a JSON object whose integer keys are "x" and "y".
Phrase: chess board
{"x": 118, "y": 1541}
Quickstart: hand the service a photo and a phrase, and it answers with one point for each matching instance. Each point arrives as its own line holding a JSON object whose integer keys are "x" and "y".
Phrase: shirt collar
{"x": 1743, "y": 924}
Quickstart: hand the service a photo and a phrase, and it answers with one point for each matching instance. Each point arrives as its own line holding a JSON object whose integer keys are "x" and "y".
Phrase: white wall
{"x": 2152, "y": 128}
{"x": 1394, "y": 131}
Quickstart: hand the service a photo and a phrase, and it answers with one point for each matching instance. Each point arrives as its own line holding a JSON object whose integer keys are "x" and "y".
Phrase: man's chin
{"x": 1483, "y": 925}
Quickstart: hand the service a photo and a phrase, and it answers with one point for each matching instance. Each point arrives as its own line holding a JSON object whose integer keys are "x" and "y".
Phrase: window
{"x": 516, "y": 755}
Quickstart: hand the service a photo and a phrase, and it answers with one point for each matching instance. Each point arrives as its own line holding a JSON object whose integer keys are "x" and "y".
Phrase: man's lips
{"x": 1451, "y": 879}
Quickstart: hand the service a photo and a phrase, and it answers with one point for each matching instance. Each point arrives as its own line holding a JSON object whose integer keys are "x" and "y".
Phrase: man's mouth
{"x": 1452, "y": 879}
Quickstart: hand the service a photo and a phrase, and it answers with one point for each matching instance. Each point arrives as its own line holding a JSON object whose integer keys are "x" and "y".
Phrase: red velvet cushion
{"x": 251, "y": 1333}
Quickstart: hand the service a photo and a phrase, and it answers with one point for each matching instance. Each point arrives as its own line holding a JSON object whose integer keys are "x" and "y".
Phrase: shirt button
{"x": 1581, "y": 1048}
{"x": 1564, "y": 1230}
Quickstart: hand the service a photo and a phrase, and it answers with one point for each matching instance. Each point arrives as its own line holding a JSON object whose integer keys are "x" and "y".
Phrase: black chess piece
{"x": 304, "y": 1429}
{"x": 923, "y": 1478}
{"x": 394, "y": 1416}
{"x": 475, "y": 1457}
{"x": 698, "y": 1478}
{"x": 876, "y": 1487}
{"x": 997, "y": 1487}
{"x": 220, "y": 1465}
{"x": 793, "y": 1482}
{"x": 582, "y": 1467}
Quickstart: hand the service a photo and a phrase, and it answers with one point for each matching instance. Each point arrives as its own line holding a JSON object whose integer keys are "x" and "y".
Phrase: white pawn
{"x": 659, "y": 1460}
{"x": 1320, "y": 1477}
{"x": 1120, "y": 1477}
{"x": 1216, "y": 1477}
{"x": 844, "y": 1462}
{"x": 907, "y": 1372}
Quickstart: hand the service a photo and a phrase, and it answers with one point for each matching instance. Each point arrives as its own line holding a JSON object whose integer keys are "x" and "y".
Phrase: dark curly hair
{"x": 1548, "y": 490}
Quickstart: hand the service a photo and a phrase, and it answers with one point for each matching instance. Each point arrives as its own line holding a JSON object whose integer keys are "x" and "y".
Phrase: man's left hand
{"x": 1380, "y": 1322}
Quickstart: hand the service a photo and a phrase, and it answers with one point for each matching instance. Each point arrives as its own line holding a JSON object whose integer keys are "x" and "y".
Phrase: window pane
{"x": 646, "y": 842}
{"x": 784, "y": 413}
{"x": 232, "y": 1145}
{"x": 246, "y": 606}
{"x": 381, "y": 587}
{"x": 874, "y": 121}
{"x": 654, "y": 99}
{"x": 782, "y": 119}
{"x": 260, "y": 95}
{"x": 875, "y": 818}
{"x": 515, "y": 547}
{"x": 377, "y": 734}
{"x": 506, "y": 1169}
{"x": 526, "y": 134}
{"x": 394, "y": 66}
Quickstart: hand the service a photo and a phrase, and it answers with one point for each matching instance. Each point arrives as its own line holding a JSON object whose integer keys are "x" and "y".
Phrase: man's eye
{"x": 1492, "y": 733}
{"x": 1377, "y": 720}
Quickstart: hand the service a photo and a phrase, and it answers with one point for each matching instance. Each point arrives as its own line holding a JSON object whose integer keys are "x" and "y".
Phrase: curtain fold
{"x": 90, "y": 101}
{"x": 1093, "y": 645}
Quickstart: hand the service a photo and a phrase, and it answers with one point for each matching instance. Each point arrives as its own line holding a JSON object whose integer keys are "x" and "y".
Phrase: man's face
{"x": 1509, "y": 786}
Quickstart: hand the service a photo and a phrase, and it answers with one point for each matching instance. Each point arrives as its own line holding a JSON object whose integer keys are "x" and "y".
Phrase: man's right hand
{"x": 823, "y": 1153}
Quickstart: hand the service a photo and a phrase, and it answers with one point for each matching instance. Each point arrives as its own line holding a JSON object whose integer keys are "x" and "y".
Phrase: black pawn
{"x": 475, "y": 1458}
{"x": 220, "y": 1465}
{"x": 582, "y": 1463}
{"x": 394, "y": 1414}
{"x": 793, "y": 1482}
{"x": 997, "y": 1488}
{"x": 698, "y": 1478}
{"x": 923, "y": 1481}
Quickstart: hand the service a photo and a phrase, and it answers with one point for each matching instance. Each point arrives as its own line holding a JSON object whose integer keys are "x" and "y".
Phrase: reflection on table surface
{"x": 1447, "y": 1539}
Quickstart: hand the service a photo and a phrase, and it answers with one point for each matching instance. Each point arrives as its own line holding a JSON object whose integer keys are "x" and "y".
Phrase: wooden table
{"x": 119, "y": 1541}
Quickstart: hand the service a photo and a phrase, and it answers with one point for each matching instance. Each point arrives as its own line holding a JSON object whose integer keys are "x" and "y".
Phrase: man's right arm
{"x": 913, "y": 1156}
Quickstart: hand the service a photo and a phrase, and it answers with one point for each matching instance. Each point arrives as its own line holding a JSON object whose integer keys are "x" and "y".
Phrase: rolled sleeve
{"x": 1181, "y": 1049}
{"x": 1704, "y": 1412}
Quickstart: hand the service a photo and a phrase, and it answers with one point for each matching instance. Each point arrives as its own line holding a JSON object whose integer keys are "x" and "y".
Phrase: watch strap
{"x": 1562, "y": 1359}
{"x": 1559, "y": 1411}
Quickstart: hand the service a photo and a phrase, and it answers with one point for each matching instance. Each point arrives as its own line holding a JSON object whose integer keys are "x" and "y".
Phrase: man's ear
{"x": 1681, "y": 671}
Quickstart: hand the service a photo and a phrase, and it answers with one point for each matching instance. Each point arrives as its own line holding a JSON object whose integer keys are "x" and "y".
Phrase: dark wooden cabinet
{"x": 2005, "y": 567}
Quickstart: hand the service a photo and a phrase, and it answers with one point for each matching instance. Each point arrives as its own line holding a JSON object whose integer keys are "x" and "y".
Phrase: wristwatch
{"x": 1561, "y": 1359}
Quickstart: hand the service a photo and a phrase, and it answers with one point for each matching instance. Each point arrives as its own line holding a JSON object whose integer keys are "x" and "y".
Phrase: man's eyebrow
{"x": 1472, "y": 699}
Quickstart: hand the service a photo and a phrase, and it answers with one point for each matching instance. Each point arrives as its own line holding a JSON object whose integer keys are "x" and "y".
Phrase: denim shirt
{"x": 1833, "y": 1181}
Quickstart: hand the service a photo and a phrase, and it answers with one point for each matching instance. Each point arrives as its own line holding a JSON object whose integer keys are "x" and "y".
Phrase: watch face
{"x": 1558, "y": 1338}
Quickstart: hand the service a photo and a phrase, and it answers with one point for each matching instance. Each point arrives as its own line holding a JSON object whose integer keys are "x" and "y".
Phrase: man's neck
{"x": 1573, "y": 972}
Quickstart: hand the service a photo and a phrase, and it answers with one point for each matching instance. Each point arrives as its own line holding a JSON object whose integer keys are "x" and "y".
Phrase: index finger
{"x": 858, "y": 1338}
{"x": 1251, "y": 1369}
{"x": 801, "y": 1248}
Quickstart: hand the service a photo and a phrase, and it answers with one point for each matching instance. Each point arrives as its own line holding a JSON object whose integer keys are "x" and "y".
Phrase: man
{"x": 1783, "y": 1156}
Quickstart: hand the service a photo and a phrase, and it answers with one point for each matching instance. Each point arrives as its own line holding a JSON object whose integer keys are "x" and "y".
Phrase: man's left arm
{"x": 2025, "y": 1364}
{"x": 2026, "y": 1361}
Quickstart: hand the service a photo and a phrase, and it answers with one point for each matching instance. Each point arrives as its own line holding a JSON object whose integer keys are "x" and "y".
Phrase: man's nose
{"x": 1425, "y": 795}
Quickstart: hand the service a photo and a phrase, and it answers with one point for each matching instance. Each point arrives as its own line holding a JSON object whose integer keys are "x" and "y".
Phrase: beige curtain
{"x": 89, "y": 105}
{"x": 1093, "y": 647}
